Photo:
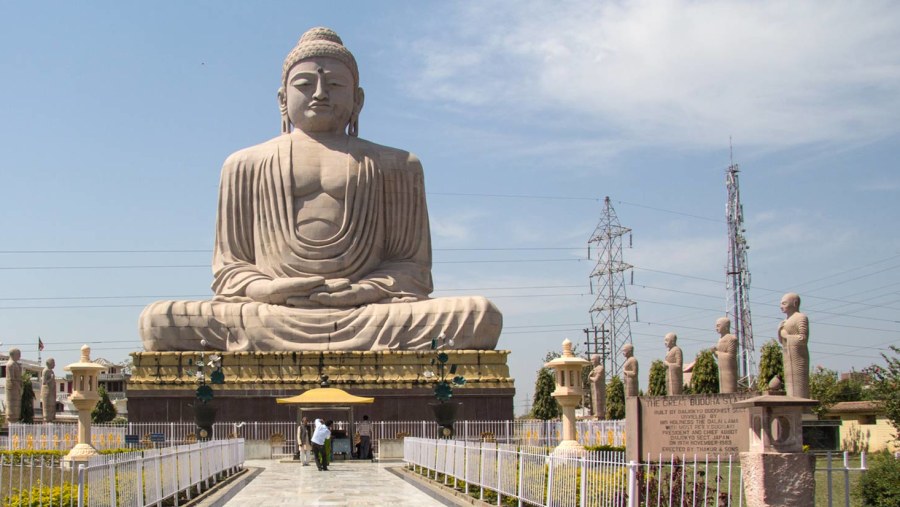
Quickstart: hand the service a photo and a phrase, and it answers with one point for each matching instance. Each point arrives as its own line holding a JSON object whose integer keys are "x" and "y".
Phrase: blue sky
{"x": 115, "y": 120}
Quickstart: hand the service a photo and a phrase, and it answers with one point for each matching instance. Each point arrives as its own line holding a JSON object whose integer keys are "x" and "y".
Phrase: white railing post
{"x": 80, "y": 485}
{"x": 583, "y": 501}
{"x": 632, "y": 484}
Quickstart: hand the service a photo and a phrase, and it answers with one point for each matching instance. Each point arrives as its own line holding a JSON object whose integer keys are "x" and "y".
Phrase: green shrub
{"x": 880, "y": 486}
{"x": 67, "y": 494}
{"x": 613, "y": 448}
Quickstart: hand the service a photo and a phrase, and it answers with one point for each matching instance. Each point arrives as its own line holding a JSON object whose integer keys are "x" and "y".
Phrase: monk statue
{"x": 14, "y": 386}
{"x": 630, "y": 370}
{"x": 48, "y": 391}
{"x": 726, "y": 350}
{"x": 793, "y": 333}
{"x": 598, "y": 387}
{"x": 322, "y": 238}
{"x": 674, "y": 366}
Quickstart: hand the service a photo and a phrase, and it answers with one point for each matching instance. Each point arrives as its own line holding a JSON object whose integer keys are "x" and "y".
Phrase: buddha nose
{"x": 320, "y": 93}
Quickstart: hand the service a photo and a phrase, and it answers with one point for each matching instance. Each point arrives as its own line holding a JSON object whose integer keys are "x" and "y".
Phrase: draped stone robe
{"x": 726, "y": 355}
{"x": 795, "y": 342}
{"x": 674, "y": 372}
{"x": 384, "y": 240}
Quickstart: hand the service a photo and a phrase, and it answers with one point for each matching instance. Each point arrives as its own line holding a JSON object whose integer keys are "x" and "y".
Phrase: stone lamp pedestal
{"x": 84, "y": 397}
{"x": 568, "y": 393}
{"x": 776, "y": 470}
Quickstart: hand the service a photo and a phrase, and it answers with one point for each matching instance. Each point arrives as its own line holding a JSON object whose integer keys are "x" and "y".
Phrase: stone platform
{"x": 160, "y": 388}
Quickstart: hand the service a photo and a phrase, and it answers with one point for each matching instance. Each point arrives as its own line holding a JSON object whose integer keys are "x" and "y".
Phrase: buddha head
{"x": 790, "y": 303}
{"x": 723, "y": 326}
{"x": 15, "y": 354}
{"x": 320, "y": 90}
{"x": 51, "y": 363}
{"x": 628, "y": 350}
{"x": 671, "y": 340}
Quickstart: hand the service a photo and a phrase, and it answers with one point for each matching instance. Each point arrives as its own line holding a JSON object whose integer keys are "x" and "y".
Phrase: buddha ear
{"x": 282, "y": 107}
{"x": 353, "y": 124}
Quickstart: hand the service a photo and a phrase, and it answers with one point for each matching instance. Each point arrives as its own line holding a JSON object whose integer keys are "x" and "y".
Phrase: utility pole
{"x": 737, "y": 279}
{"x": 610, "y": 309}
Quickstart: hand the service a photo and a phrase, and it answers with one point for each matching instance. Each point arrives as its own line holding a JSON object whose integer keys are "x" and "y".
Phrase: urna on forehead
{"x": 320, "y": 42}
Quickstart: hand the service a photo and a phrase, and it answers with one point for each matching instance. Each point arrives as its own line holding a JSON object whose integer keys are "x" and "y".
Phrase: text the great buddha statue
{"x": 322, "y": 238}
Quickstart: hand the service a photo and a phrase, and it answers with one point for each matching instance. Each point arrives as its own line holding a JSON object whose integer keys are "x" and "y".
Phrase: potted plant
{"x": 444, "y": 410}
{"x": 208, "y": 371}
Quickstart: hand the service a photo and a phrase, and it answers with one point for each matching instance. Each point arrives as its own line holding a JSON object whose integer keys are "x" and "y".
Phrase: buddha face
{"x": 789, "y": 303}
{"x": 320, "y": 95}
{"x": 723, "y": 326}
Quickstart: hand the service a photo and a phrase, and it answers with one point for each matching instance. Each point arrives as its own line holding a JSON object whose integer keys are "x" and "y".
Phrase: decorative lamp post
{"x": 84, "y": 397}
{"x": 568, "y": 393}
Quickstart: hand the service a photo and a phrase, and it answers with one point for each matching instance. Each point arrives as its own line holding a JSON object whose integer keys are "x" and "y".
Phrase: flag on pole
{"x": 40, "y": 344}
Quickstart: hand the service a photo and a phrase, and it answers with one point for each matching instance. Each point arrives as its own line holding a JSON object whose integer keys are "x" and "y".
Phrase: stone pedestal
{"x": 776, "y": 471}
{"x": 160, "y": 388}
{"x": 777, "y": 479}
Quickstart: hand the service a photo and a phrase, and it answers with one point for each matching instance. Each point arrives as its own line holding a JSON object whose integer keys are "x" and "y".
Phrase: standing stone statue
{"x": 14, "y": 386}
{"x": 793, "y": 333}
{"x": 598, "y": 387}
{"x": 48, "y": 391}
{"x": 322, "y": 238}
{"x": 674, "y": 367}
{"x": 726, "y": 355}
{"x": 630, "y": 370}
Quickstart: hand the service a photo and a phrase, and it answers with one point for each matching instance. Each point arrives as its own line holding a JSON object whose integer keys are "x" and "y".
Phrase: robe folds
{"x": 383, "y": 240}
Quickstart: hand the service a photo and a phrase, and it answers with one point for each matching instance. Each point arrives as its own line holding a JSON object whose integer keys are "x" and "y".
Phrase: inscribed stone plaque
{"x": 696, "y": 424}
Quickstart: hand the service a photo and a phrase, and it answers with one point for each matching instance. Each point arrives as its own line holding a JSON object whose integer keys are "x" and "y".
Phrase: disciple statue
{"x": 322, "y": 238}
{"x": 630, "y": 370}
{"x": 726, "y": 354}
{"x": 793, "y": 333}
{"x": 14, "y": 386}
{"x": 598, "y": 387}
{"x": 48, "y": 391}
{"x": 674, "y": 366}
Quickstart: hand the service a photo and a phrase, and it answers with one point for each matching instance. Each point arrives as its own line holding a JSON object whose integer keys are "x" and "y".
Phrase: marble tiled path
{"x": 344, "y": 484}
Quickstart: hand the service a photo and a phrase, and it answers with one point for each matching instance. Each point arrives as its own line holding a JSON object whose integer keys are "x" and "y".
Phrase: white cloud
{"x": 677, "y": 72}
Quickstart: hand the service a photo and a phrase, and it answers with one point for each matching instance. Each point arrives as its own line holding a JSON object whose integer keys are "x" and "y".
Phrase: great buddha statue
{"x": 322, "y": 238}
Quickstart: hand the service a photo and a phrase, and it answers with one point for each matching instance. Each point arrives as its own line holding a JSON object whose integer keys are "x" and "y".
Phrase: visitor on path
{"x": 320, "y": 435}
{"x": 364, "y": 430}
{"x": 303, "y": 445}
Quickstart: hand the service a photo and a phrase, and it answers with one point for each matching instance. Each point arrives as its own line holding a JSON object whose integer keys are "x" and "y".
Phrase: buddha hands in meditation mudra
{"x": 322, "y": 239}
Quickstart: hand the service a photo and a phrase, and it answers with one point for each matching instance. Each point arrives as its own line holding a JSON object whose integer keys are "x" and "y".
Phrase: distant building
{"x": 864, "y": 426}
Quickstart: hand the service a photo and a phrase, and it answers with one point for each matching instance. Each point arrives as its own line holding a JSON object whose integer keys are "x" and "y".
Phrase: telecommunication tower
{"x": 609, "y": 314}
{"x": 737, "y": 279}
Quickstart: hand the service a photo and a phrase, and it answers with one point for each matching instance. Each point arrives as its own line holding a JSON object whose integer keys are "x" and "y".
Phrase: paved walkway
{"x": 344, "y": 484}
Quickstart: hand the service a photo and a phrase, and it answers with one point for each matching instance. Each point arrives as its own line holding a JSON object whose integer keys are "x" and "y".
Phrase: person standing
{"x": 320, "y": 435}
{"x": 364, "y": 430}
{"x": 303, "y": 445}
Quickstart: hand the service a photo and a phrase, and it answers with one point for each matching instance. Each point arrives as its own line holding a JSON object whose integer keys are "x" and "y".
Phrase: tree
{"x": 771, "y": 363}
{"x": 823, "y": 387}
{"x": 27, "y": 409}
{"x": 886, "y": 387}
{"x": 104, "y": 411}
{"x": 657, "y": 383}
{"x": 615, "y": 399}
{"x": 544, "y": 406}
{"x": 705, "y": 377}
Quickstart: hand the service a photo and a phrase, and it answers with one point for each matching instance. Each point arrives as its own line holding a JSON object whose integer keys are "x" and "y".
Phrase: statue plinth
{"x": 161, "y": 388}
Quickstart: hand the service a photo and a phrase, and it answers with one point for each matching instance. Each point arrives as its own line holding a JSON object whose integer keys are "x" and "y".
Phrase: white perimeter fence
{"x": 530, "y": 475}
{"x": 283, "y": 433}
{"x": 135, "y": 479}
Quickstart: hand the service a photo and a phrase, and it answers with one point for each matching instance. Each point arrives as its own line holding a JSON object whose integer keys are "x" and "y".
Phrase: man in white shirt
{"x": 320, "y": 435}
{"x": 364, "y": 430}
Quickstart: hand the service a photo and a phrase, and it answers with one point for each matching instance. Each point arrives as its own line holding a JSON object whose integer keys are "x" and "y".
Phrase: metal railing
{"x": 283, "y": 433}
{"x": 140, "y": 478}
{"x": 532, "y": 475}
